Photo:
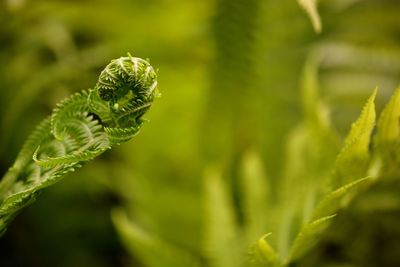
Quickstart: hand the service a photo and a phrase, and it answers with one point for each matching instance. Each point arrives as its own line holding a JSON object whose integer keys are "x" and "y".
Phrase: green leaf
{"x": 360, "y": 129}
{"x": 222, "y": 243}
{"x": 150, "y": 249}
{"x": 352, "y": 161}
{"x": 334, "y": 200}
{"x": 387, "y": 138}
{"x": 73, "y": 106}
{"x": 308, "y": 237}
{"x": 262, "y": 254}
{"x": 39, "y": 135}
{"x": 255, "y": 194}
{"x": 310, "y": 6}
{"x": 120, "y": 135}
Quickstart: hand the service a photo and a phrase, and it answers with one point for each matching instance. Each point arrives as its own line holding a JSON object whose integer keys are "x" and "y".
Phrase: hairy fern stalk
{"x": 80, "y": 128}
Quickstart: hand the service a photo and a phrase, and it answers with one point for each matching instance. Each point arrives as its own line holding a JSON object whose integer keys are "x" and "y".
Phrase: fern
{"x": 223, "y": 243}
{"x": 263, "y": 254}
{"x": 354, "y": 158}
{"x": 387, "y": 137}
{"x": 80, "y": 128}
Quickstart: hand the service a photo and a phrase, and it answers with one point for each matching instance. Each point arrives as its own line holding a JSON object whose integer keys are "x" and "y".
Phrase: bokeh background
{"x": 230, "y": 75}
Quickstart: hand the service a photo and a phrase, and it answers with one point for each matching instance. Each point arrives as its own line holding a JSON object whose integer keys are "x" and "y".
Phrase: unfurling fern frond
{"x": 80, "y": 128}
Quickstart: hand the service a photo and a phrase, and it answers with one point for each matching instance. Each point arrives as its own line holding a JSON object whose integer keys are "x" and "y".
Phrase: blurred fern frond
{"x": 251, "y": 106}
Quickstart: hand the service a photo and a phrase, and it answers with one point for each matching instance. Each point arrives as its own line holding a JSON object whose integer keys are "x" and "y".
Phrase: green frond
{"x": 352, "y": 161}
{"x": 72, "y": 107}
{"x": 308, "y": 237}
{"x": 334, "y": 200}
{"x": 387, "y": 138}
{"x": 39, "y": 135}
{"x": 256, "y": 196}
{"x": 98, "y": 107}
{"x": 16, "y": 201}
{"x": 67, "y": 159}
{"x": 262, "y": 254}
{"x": 75, "y": 134}
{"x": 222, "y": 246}
{"x": 388, "y": 128}
{"x": 120, "y": 135}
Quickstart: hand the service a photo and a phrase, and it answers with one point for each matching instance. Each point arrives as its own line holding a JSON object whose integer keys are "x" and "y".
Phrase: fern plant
{"x": 314, "y": 198}
{"x": 298, "y": 223}
{"x": 80, "y": 128}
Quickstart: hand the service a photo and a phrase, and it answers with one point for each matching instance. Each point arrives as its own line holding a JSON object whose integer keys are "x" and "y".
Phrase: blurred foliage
{"x": 243, "y": 142}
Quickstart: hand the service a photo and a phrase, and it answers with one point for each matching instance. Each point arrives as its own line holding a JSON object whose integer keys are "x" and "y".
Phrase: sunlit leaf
{"x": 388, "y": 131}
{"x": 262, "y": 254}
{"x": 352, "y": 161}
{"x": 255, "y": 194}
{"x": 308, "y": 237}
{"x": 222, "y": 245}
{"x": 333, "y": 201}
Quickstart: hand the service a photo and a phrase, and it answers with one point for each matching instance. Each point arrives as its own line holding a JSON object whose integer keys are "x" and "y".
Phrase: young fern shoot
{"x": 80, "y": 128}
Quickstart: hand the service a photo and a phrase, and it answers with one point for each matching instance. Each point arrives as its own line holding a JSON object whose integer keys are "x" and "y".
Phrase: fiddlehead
{"x": 80, "y": 128}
